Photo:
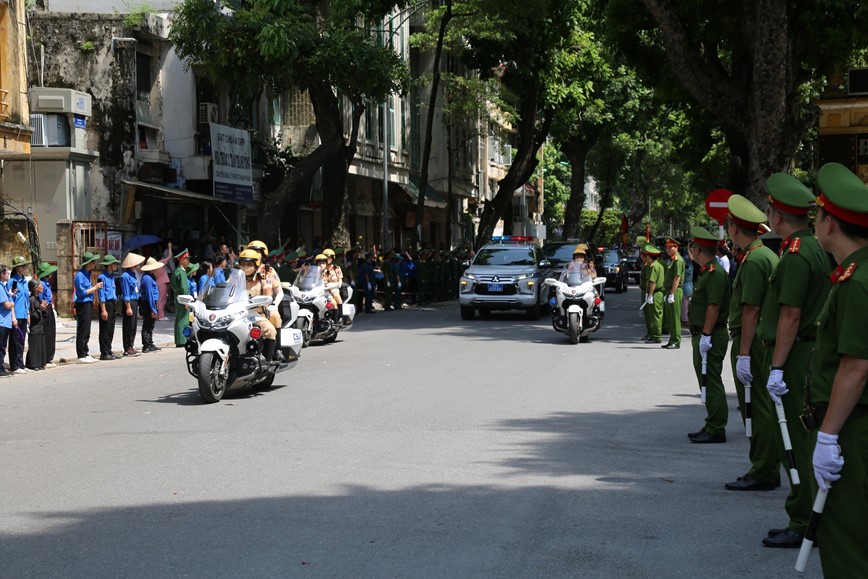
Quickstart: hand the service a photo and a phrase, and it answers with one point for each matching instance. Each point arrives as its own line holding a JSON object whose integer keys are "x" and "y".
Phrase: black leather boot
{"x": 268, "y": 349}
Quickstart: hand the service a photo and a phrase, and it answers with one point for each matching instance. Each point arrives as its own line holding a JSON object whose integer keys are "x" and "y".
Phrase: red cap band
{"x": 788, "y": 208}
{"x": 853, "y": 217}
{"x": 706, "y": 242}
{"x": 743, "y": 223}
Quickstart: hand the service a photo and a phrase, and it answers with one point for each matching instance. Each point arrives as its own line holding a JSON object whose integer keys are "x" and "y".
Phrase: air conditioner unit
{"x": 50, "y": 130}
{"x": 208, "y": 113}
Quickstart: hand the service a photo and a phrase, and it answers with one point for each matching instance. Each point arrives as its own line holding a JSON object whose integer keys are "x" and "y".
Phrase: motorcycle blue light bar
{"x": 502, "y": 238}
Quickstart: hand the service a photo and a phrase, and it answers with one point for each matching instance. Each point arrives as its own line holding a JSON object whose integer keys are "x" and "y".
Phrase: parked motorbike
{"x": 224, "y": 344}
{"x": 319, "y": 318}
{"x": 577, "y": 309}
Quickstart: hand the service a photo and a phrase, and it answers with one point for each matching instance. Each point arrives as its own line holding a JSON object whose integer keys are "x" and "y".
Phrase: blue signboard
{"x": 79, "y": 121}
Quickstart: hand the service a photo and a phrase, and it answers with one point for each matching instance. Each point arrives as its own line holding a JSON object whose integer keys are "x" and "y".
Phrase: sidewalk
{"x": 164, "y": 336}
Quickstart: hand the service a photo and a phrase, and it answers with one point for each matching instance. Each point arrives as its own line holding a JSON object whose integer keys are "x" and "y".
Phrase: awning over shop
{"x": 161, "y": 192}
{"x": 432, "y": 197}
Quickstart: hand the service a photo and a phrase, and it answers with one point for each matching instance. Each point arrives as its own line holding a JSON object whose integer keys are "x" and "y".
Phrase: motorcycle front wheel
{"x": 212, "y": 386}
{"x": 573, "y": 327}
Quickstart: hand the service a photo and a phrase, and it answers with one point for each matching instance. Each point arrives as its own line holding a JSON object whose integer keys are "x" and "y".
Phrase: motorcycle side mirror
{"x": 185, "y": 300}
{"x": 545, "y": 263}
{"x": 260, "y": 300}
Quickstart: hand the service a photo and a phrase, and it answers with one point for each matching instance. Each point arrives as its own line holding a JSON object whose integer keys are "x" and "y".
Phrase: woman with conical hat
{"x": 44, "y": 272}
{"x": 130, "y": 301}
{"x": 149, "y": 303}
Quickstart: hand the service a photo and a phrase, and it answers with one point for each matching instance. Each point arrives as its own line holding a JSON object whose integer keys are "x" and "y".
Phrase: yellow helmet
{"x": 581, "y": 248}
{"x": 320, "y": 257}
{"x": 249, "y": 255}
{"x": 329, "y": 252}
{"x": 258, "y": 245}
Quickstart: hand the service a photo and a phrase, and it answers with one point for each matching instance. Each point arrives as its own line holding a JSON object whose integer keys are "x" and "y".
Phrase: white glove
{"x": 670, "y": 299}
{"x": 704, "y": 344}
{"x": 776, "y": 385}
{"x": 827, "y": 460}
{"x": 649, "y": 300}
{"x": 742, "y": 369}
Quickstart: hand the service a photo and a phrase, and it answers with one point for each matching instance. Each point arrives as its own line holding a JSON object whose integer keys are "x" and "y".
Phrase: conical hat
{"x": 152, "y": 264}
{"x": 132, "y": 260}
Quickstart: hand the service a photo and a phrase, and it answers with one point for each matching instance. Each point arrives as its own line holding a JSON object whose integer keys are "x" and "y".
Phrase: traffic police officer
{"x": 673, "y": 294}
{"x": 839, "y": 373}
{"x": 798, "y": 287}
{"x": 181, "y": 287}
{"x": 709, "y": 310}
{"x": 755, "y": 264}
{"x": 654, "y": 281}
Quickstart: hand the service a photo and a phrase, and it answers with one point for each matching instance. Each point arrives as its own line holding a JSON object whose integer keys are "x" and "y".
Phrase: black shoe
{"x": 646, "y": 337}
{"x": 132, "y": 353}
{"x": 652, "y": 341}
{"x": 106, "y": 357}
{"x": 671, "y": 346}
{"x": 708, "y": 438}
{"x": 697, "y": 433}
{"x": 155, "y": 348}
{"x": 746, "y": 483}
{"x": 784, "y": 540}
{"x": 117, "y": 356}
{"x": 773, "y": 532}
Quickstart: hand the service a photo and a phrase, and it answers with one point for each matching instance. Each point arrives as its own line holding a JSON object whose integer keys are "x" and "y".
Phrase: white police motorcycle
{"x": 577, "y": 309}
{"x": 319, "y": 318}
{"x": 224, "y": 344}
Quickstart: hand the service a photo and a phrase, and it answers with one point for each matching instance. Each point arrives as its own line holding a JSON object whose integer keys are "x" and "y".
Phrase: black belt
{"x": 770, "y": 343}
{"x": 694, "y": 330}
{"x": 858, "y": 412}
{"x": 734, "y": 332}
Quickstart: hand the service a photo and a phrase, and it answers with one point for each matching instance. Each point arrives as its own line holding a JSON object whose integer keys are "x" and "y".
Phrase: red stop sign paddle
{"x": 715, "y": 204}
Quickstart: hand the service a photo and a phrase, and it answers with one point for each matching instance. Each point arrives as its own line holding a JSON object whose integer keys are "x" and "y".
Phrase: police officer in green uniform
{"x": 655, "y": 279}
{"x": 755, "y": 264}
{"x": 798, "y": 288}
{"x": 643, "y": 285}
{"x": 181, "y": 287}
{"x": 708, "y": 314}
{"x": 839, "y": 375}
{"x": 673, "y": 294}
{"x": 286, "y": 270}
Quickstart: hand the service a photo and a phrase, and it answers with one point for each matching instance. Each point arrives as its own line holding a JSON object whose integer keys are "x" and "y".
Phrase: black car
{"x": 614, "y": 267}
{"x": 633, "y": 265}
{"x": 560, "y": 253}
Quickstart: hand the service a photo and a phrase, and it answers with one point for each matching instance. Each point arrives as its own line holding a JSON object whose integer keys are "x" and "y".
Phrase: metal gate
{"x": 87, "y": 236}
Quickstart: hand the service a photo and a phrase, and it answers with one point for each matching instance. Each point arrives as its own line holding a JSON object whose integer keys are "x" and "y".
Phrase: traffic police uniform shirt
{"x": 755, "y": 264}
{"x": 712, "y": 288}
{"x": 672, "y": 312}
{"x": 843, "y": 331}
{"x": 800, "y": 280}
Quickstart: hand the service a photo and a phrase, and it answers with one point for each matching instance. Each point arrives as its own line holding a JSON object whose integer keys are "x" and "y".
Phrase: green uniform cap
{"x": 339, "y": 250}
{"x": 745, "y": 213}
{"x": 651, "y": 249}
{"x": 702, "y": 236}
{"x": 291, "y": 256}
{"x": 672, "y": 241}
{"x": 182, "y": 254}
{"x": 788, "y": 194}
{"x": 192, "y": 268}
{"x": 45, "y": 269}
{"x": 302, "y": 253}
{"x": 843, "y": 194}
{"x": 397, "y": 256}
{"x": 86, "y": 258}
{"x": 275, "y": 252}
{"x": 108, "y": 260}
{"x": 19, "y": 260}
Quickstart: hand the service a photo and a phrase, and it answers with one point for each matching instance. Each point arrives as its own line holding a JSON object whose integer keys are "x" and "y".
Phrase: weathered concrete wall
{"x": 10, "y": 225}
{"x": 88, "y": 52}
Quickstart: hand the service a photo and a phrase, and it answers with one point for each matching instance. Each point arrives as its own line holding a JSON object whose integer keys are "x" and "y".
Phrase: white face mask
{"x": 248, "y": 269}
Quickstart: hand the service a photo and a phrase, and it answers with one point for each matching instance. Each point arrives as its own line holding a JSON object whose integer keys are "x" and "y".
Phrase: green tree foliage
{"x": 319, "y": 47}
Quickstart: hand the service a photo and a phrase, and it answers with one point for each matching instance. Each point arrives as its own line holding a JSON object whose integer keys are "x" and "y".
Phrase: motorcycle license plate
{"x": 495, "y": 288}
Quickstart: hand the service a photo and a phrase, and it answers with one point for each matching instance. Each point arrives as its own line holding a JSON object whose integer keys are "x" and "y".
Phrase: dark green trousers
{"x": 715, "y": 398}
{"x": 182, "y": 320}
{"x": 799, "y": 502}
{"x": 765, "y": 463}
{"x": 654, "y": 316}
{"x": 841, "y": 538}
{"x": 672, "y": 317}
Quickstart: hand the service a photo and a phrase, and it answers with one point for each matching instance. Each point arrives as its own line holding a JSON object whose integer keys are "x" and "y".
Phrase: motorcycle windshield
{"x": 311, "y": 279}
{"x": 233, "y": 290}
{"x": 574, "y": 275}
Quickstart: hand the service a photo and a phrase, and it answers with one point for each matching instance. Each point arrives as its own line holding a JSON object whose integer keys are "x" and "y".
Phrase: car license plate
{"x": 495, "y": 288}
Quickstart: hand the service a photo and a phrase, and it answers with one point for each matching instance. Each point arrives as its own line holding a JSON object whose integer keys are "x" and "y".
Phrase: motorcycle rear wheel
{"x": 211, "y": 385}
{"x": 573, "y": 328}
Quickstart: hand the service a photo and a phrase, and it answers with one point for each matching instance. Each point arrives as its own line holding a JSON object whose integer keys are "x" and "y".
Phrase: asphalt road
{"x": 418, "y": 445}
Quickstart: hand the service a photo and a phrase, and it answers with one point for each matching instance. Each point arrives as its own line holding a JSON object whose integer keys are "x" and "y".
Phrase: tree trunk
{"x": 524, "y": 162}
{"x": 575, "y": 149}
{"x": 429, "y": 122}
{"x": 758, "y": 102}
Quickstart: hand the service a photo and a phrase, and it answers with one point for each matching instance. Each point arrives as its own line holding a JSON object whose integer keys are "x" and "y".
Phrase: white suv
{"x": 504, "y": 275}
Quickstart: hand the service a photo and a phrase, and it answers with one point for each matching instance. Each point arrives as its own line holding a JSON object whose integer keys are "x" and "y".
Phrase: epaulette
{"x": 841, "y": 275}
{"x": 795, "y": 245}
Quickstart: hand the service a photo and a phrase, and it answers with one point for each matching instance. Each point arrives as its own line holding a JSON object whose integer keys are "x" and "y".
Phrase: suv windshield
{"x": 559, "y": 253}
{"x": 611, "y": 257}
{"x": 233, "y": 290}
{"x": 505, "y": 256}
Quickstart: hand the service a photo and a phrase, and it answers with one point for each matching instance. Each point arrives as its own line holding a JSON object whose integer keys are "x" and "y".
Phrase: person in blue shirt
{"x": 192, "y": 269}
{"x": 108, "y": 301}
{"x": 149, "y": 303}
{"x": 21, "y": 298}
{"x": 44, "y": 272}
{"x": 206, "y": 279}
{"x": 84, "y": 291}
{"x": 219, "y": 269}
{"x": 7, "y": 316}
{"x": 130, "y": 297}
